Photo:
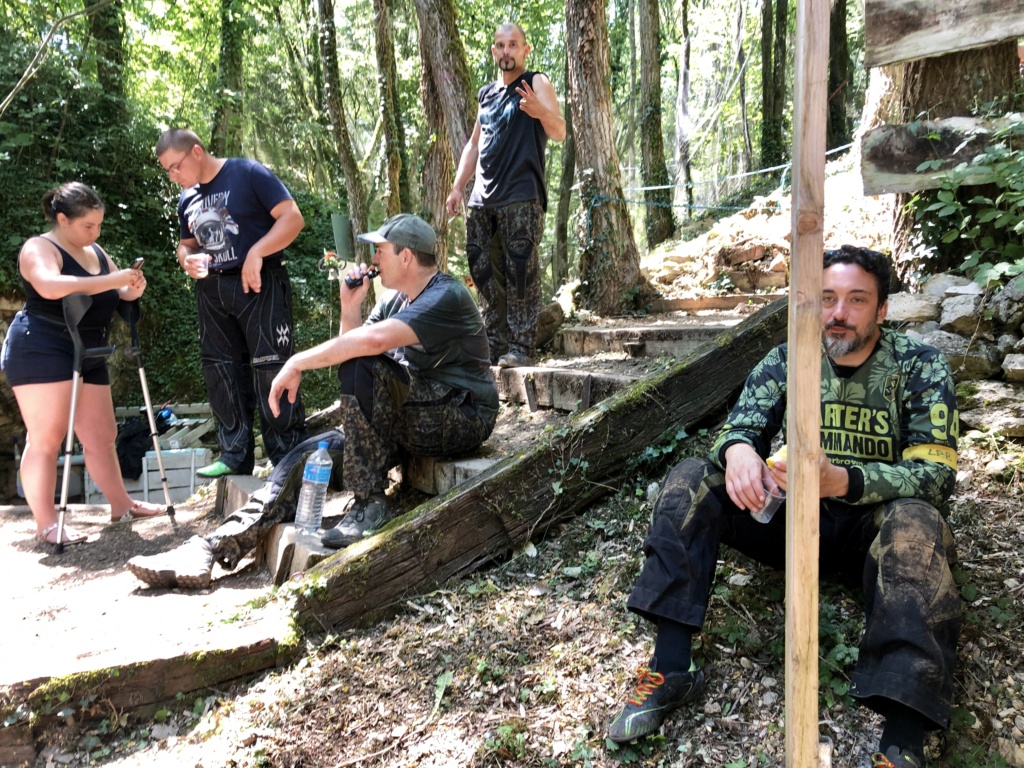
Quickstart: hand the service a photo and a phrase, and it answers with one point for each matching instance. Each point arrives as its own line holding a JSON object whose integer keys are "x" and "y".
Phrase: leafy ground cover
{"x": 521, "y": 663}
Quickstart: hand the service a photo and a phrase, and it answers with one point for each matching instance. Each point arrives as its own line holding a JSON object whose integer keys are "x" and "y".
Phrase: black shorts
{"x": 40, "y": 352}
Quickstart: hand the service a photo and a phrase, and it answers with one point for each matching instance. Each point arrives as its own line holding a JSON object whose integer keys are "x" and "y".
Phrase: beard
{"x": 507, "y": 64}
{"x": 837, "y": 348}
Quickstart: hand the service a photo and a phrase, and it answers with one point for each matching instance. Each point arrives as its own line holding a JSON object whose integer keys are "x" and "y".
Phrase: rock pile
{"x": 982, "y": 334}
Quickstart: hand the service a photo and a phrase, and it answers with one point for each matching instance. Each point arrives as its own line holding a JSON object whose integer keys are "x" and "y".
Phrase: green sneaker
{"x": 217, "y": 469}
{"x": 894, "y": 757}
{"x": 654, "y": 697}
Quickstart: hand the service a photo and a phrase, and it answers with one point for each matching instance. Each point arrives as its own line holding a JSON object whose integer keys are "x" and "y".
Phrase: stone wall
{"x": 982, "y": 334}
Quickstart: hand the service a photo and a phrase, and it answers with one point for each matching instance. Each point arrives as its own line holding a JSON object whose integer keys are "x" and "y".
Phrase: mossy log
{"x": 248, "y": 646}
{"x": 523, "y": 495}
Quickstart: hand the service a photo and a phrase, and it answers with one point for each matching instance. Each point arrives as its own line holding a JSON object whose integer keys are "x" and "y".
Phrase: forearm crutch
{"x": 130, "y": 313}
{"x": 75, "y": 307}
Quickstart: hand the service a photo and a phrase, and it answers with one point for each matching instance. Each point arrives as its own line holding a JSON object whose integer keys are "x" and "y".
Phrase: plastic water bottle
{"x": 310, "y": 511}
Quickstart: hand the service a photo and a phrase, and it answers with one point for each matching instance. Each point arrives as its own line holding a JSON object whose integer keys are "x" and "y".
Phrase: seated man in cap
{"x": 415, "y": 377}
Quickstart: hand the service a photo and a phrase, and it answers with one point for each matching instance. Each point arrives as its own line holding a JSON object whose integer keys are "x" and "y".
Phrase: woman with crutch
{"x": 38, "y": 352}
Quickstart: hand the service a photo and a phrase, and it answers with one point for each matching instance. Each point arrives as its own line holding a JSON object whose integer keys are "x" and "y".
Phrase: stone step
{"x": 676, "y": 340}
{"x": 705, "y": 303}
{"x": 561, "y": 388}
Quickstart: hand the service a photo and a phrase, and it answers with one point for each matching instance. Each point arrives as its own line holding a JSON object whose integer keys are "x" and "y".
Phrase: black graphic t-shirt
{"x": 231, "y": 212}
{"x": 452, "y": 344}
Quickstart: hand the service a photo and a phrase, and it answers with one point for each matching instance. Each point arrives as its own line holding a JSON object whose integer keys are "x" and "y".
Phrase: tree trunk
{"x": 838, "y": 129}
{"x": 106, "y": 31}
{"x": 773, "y": 80}
{"x": 390, "y": 111}
{"x": 449, "y": 95}
{"x": 525, "y": 495}
{"x": 609, "y": 264}
{"x": 741, "y": 70}
{"x": 684, "y": 128}
{"x": 226, "y": 137}
{"x": 658, "y": 219}
{"x": 938, "y": 87}
{"x": 560, "y": 259}
{"x": 438, "y": 165}
{"x": 441, "y": 44}
{"x": 357, "y": 202}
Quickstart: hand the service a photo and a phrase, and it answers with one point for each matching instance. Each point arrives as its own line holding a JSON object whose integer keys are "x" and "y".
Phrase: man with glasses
{"x": 235, "y": 219}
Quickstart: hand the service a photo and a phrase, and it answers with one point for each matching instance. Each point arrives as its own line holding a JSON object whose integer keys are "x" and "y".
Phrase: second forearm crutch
{"x": 130, "y": 313}
{"x": 75, "y": 307}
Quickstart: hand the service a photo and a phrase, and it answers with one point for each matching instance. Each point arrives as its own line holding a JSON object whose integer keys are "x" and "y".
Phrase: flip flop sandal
{"x": 137, "y": 512}
{"x": 69, "y": 537}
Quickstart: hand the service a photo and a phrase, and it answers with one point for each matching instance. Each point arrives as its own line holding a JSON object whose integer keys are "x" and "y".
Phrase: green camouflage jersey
{"x": 892, "y": 421}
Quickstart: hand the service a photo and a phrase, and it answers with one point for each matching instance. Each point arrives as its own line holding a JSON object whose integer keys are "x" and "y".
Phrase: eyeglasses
{"x": 174, "y": 168}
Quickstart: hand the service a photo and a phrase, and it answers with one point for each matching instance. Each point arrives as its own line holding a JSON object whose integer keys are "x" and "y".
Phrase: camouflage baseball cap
{"x": 405, "y": 230}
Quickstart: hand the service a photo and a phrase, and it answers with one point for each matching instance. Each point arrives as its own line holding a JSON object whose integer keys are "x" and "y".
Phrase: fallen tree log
{"x": 522, "y": 495}
{"x": 904, "y": 30}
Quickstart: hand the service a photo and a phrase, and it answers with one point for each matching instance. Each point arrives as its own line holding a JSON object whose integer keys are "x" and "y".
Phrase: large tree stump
{"x": 523, "y": 495}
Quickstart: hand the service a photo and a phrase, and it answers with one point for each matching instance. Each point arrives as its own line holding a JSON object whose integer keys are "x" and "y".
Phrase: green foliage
{"x": 838, "y": 638}
{"x": 980, "y": 232}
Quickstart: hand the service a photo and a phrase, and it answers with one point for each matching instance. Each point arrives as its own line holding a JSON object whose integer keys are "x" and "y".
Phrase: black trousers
{"x": 245, "y": 338}
{"x": 901, "y": 552}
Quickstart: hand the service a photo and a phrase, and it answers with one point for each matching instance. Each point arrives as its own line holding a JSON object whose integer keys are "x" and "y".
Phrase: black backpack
{"x": 133, "y": 441}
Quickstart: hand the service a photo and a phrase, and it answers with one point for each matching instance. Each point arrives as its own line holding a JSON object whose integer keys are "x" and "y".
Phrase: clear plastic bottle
{"x": 310, "y": 511}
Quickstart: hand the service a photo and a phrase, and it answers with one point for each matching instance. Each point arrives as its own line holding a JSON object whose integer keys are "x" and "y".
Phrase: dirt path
{"x": 83, "y": 610}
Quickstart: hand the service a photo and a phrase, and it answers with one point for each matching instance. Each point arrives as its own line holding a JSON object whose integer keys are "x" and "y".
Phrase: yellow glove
{"x": 779, "y": 455}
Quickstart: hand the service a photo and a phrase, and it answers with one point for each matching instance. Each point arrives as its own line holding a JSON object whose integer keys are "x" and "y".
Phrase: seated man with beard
{"x": 887, "y": 467}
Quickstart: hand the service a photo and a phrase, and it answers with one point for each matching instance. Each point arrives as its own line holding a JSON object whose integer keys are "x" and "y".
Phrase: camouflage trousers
{"x": 900, "y": 551}
{"x": 274, "y": 502}
{"x": 501, "y": 247}
{"x": 388, "y": 411}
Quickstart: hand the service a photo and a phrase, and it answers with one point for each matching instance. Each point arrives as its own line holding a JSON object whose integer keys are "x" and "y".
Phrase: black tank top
{"x": 104, "y": 304}
{"x": 511, "y": 165}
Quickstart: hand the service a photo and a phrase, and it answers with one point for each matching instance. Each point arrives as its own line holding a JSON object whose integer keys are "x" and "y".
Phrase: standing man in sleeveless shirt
{"x": 518, "y": 113}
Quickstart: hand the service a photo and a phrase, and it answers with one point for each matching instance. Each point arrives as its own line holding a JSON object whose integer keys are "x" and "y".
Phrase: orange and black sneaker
{"x": 653, "y": 698}
{"x": 894, "y": 757}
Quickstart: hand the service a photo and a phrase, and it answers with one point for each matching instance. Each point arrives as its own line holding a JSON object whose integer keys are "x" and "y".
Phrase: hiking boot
{"x": 514, "y": 360}
{"x": 894, "y": 757}
{"x": 654, "y": 697}
{"x": 363, "y": 518}
{"x": 187, "y": 566}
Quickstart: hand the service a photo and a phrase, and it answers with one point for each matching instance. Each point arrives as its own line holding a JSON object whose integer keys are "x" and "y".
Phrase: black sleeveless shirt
{"x": 510, "y": 168}
{"x": 104, "y": 304}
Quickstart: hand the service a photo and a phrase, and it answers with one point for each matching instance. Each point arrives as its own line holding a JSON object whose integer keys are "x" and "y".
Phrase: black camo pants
{"x": 901, "y": 551}
{"x": 501, "y": 248}
{"x": 388, "y": 411}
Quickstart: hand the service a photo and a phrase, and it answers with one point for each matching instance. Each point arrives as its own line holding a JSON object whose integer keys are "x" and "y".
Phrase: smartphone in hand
{"x": 137, "y": 264}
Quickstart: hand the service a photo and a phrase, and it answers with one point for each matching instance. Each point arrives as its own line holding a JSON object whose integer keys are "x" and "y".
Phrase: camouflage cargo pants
{"x": 901, "y": 551}
{"x": 501, "y": 247}
{"x": 274, "y": 502}
{"x": 388, "y": 410}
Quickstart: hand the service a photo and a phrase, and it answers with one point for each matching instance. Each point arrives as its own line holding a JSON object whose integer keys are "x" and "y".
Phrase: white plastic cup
{"x": 202, "y": 261}
{"x": 773, "y": 498}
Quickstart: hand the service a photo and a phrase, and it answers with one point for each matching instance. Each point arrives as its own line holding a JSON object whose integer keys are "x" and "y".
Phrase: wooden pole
{"x": 803, "y": 428}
